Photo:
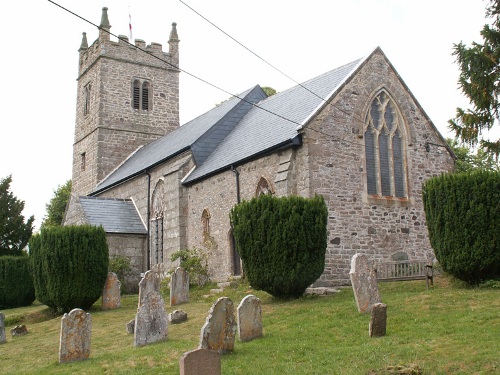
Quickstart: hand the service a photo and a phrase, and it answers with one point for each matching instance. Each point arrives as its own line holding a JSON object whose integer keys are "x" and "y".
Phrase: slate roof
{"x": 115, "y": 215}
{"x": 236, "y": 131}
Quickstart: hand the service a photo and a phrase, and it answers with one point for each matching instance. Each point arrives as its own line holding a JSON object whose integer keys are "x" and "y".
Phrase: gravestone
{"x": 200, "y": 362}
{"x": 111, "y": 294}
{"x": 378, "y": 321}
{"x": 150, "y": 282}
{"x": 74, "y": 341}
{"x": 177, "y": 316}
{"x": 249, "y": 318}
{"x": 364, "y": 283}
{"x": 19, "y": 330}
{"x": 151, "y": 321}
{"x": 179, "y": 287}
{"x": 3, "y": 339}
{"x": 219, "y": 330}
{"x": 130, "y": 326}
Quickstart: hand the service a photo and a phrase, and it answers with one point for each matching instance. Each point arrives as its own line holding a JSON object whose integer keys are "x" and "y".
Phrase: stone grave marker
{"x": 150, "y": 282}
{"x": 219, "y": 330}
{"x": 200, "y": 362}
{"x": 179, "y": 287}
{"x": 111, "y": 294}
{"x": 151, "y": 321}
{"x": 19, "y": 330}
{"x": 3, "y": 339}
{"x": 364, "y": 283}
{"x": 249, "y": 318}
{"x": 130, "y": 326}
{"x": 74, "y": 342}
{"x": 177, "y": 317}
{"x": 378, "y": 321}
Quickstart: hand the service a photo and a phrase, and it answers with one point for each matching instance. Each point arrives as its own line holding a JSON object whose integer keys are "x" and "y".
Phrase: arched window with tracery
{"x": 263, "y": 187}
{"x": 384, "y": 136}
{"x": 156, "y": 224}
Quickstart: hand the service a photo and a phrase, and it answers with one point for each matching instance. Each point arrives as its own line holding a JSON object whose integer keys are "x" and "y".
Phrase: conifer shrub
{"x": 463, "y": 218}
{"x": 16, "y": 282}
{"x": 70, "y": 266}
{"x": 281, "y": 241}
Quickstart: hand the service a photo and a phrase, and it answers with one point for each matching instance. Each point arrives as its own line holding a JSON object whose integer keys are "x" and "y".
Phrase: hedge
{"x": 463, "y": 218}
{"x": 16, "y": 282}
{"x": 281, "y": 241}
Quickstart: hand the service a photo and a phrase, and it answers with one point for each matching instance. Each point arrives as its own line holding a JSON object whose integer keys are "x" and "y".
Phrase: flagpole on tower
{"x": 130, "y": 25}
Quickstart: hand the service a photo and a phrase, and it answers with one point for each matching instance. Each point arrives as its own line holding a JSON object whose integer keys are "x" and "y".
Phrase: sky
{"x": 303, "y": 39}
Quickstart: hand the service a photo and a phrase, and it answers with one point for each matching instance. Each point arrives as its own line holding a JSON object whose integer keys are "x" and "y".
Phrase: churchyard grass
{"x": 445, "y": 330}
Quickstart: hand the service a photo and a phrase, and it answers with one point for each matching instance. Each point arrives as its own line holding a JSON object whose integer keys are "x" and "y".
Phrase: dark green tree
{"x": 468, "y": 161}
{"x": 282, "y": 242}
{"x": 57, "y": 205}
{"x": 14, "y": 231}
{"x": 479, "y": 80}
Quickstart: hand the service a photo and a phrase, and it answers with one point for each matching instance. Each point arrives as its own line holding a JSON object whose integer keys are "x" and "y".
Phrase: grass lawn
{"x": 446, "y": 330}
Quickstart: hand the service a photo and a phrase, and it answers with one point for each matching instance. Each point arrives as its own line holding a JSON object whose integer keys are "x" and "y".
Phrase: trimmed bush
{"x": 463, "y": 217}
{"x": 70, "y": 266}
{"x": 282, "y": 242}
{"x": 16, "y": 282}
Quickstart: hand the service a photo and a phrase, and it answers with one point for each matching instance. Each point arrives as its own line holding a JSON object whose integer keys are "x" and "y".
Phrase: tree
{"x": 57, "y": 205}
{"x": 468, "y": 161}
{"x": 14, "y": 231}
{"x": 479, "y": 80}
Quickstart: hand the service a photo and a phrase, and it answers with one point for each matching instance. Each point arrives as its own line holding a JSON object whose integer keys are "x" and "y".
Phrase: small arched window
{"x": 205, "y": 223}
{"x": 263, "y": 187}
{"x": 386, "y": 174}
{"x": 86, "y": 99}
{"x": 156, "y": 224}
{"x": 141, "y": 95}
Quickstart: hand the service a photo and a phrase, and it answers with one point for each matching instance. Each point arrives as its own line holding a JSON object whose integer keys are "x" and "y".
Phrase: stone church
{"x": 355, "y": 135}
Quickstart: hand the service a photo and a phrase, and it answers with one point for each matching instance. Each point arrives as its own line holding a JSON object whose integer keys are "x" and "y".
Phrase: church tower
{"x": 127, "y": 97}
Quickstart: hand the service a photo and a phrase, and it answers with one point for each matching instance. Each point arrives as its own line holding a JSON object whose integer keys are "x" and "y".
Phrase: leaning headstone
{"x": 219, "y": 330}
{"x": 151, "y": 321}
{"x": 19, "y": 330}
{"x": 249, "y": 318}
{"x": 200, "y": 362}
{"x": 111, "y": 294}
{"x": 177, "y": 316}
{"x": 74, "y": 342}
{"x": 2, "y": 329}
{"x": 378, "y": 321}
{"x": 364, "y": 283}
{"x": 150, "y": 282}
{"x": 179, "y": 287}
{"x": 130, "y": 327}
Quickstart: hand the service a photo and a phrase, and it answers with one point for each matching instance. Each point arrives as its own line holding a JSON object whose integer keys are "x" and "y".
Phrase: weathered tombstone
{"x": 150, "y": 282}
{"x": 130, "y": 326}
{"x": 249, "y": 318}
{"x": 74, "y": 342}
{"x": 179, "y": 287}
{"x": 111, "y": 294}
{"x": 364, "y": 283}
{"x": 200, "y": 362}
{"x": 151, "y": 321}
{"x": 3, "y": 339}
{"x": 177, "y": 316}
{"x": 19, "y": 330}
{"x": 219, "y": 330}
{"x": 378, "y": 321}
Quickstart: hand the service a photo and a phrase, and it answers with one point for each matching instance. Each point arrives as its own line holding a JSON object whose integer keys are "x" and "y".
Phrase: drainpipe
{"x": 148, "y": 250}
{"x": 237, "y": 174}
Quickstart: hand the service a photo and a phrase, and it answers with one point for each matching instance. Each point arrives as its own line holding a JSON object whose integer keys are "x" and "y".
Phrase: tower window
{"x": 86, "y": 99}
{"x": 141, "y": 95}
{"x": 205, "y": 223}
{"x": 82, "y": 161}
{"x": 386, "y": 174}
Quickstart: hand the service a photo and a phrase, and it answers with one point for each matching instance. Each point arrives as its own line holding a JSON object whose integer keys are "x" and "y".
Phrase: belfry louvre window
{"x": 385, "y": 149}
{"x": 141, "y": 95}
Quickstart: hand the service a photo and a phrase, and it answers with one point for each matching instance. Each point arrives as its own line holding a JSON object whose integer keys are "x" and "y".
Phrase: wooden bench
{"x": 405, "y": 270}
